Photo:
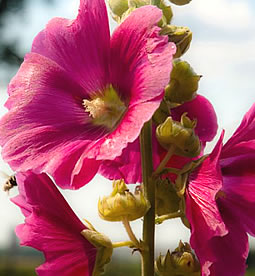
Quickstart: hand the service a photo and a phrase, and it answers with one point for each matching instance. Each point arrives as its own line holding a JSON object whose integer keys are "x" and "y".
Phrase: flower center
{"x": 105, "y": 109}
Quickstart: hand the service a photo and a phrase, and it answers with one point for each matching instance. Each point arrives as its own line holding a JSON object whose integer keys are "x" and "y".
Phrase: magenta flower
{"x": 80, "y": 96}
{"x": 52, "y": 227}
{"x": 220, "y": 203}
{"x": 128, "y": 165}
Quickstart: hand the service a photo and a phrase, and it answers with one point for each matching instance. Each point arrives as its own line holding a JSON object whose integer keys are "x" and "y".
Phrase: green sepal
{"x": 181, "y": 36}
{"x": 181, "y": 262}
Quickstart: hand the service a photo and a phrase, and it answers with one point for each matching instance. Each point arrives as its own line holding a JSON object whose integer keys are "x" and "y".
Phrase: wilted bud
{"x": 123, "y": 204}
{"x": 179, "y": 134}
{"x": 181, "y": 262}
{"x": 183, "y": 83}
{"x": 118, "y": 7}
{"x": 180, "y": 2}
{"x": 104, "y": 249}
{"x": 167, "y": 200}
{"x": 181, "y": 36}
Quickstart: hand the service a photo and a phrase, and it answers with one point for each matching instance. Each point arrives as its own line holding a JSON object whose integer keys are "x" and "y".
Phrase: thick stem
{"x": 149, "y": 191}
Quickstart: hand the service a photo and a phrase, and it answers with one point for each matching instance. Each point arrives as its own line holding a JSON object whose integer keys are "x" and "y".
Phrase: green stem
{"x": 130, "y": 232}
{"x": 162, "y": 218}
{"x": 163, "y": 163}
{"x": 149, "y": 191}
{"x": 123, "y": 243}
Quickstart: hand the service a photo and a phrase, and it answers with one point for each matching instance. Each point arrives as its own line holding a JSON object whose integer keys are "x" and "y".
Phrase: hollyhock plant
{"x": 81, "y": 96}
{"x": 221, "y": 191}
{"x": 52, "y": 227}
{"x": 128, "y": 165}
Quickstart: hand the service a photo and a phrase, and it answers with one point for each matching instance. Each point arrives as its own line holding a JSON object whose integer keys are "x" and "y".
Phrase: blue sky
{"x": 222, "y": 51}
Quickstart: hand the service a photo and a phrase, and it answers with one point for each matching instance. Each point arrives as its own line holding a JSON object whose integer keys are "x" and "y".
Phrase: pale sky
{"x": 222, "y": 51}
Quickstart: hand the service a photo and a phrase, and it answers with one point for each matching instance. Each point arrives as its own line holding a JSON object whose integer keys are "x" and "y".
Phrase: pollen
{"x": 105, "y": 108}
{"x": 94, "y": 107}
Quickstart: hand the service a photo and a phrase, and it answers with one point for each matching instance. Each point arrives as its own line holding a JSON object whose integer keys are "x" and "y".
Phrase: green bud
{"x": 167, "y": 200}
{"x": 179, "y": 134}
{"x": 167, "y": 13}
{"x": 183, "y": 83}
{"x": 104, "y": 249}
{"x": 181, "y": 262}
{"x": 181, "y": 36}
{"x": 118, "y": 7}
{"x": 123, "y": 204}
{"x": 180, "y": 2}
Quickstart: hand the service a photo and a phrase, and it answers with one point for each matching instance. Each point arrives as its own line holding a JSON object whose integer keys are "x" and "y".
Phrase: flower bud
{"x": 183, "y": 83}
{"x": 179, "y": 134}
{"x": 118, "y": 7}
{"x": 181, "y": 36}
{"x": 122, "y": 204}
{"x": 104, "y": 249}
{"x": 180, "y": 2}
{"x": 167, "y": 200}
{"x": 181, "y": 262}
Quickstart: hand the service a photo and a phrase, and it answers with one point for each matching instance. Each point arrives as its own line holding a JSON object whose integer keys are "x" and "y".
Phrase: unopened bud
{"x": 104, "y": 249}
{"x": 167, "y": 200}
{"x": 123, "y": 204}
{"x": 183, "y": 83}
{"x": 180, "y": 2}
{"x": 181, "y": 36}
{"x": 118, "y": 7}
{"x": 181, "y": 262}
{"x": 179, "y": 134}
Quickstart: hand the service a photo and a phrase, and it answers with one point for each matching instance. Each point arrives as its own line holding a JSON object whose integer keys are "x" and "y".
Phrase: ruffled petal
{"x": 141, "y": 59}
{"x": 201, "y": 110}
{"x": 52, "y": 227}
{"x": 201, "y": 209}
{"x": 80, "y": 46}
{"x": 47, "y": 123}
{"x": 128, "y": 166}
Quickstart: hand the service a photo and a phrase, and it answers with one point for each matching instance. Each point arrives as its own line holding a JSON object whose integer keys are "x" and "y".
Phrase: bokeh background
{"x": 222, "y": 51}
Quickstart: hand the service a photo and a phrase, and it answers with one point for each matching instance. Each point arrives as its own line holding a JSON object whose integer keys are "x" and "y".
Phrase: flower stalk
{"x": 149, "y": 191}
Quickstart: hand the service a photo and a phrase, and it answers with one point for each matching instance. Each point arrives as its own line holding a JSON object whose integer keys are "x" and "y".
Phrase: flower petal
{"x": 47, "y": 115}
{"x": 52, "y": 227}
{"x": 230, "y": 255}
{"x": 80, "y": 46}
{"x": 244, "y": 133}
{"x": 201, "y": 209}
{"x": 141, "y": 59}
{"x": 202, "y": 110}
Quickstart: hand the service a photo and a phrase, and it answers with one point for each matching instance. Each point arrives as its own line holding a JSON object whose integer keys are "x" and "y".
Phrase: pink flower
{"x": 220, "y": 203}
{"x": 80, "y": 96}
{"x": 128, "y": 165}
{"x": 52, "y": 227}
